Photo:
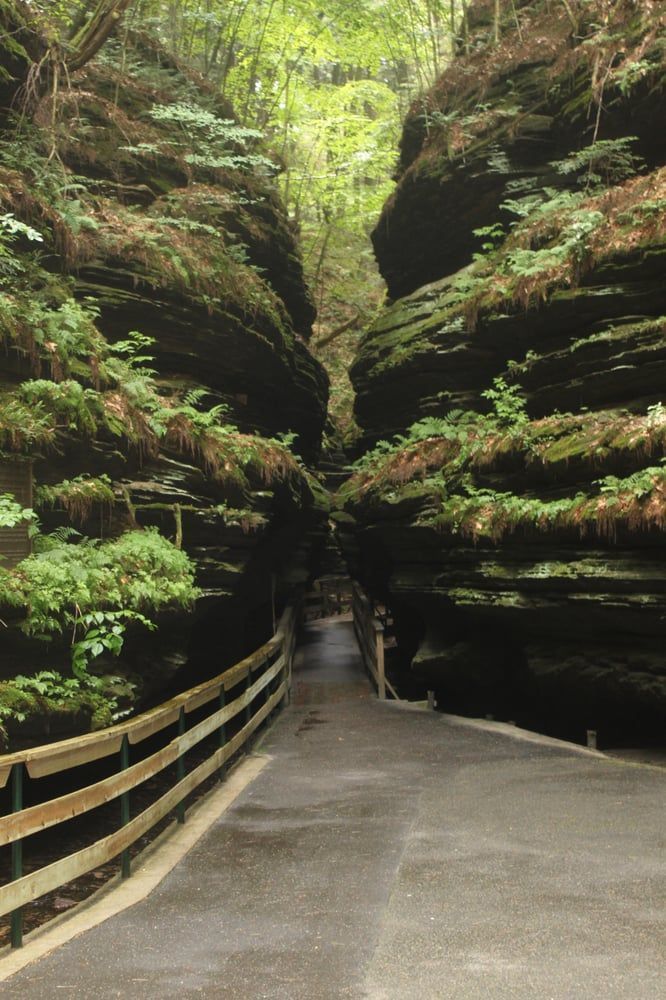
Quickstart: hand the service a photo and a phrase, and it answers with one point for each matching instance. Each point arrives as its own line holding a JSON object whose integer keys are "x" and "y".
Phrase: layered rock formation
{"x": 517, "y": 530}
{"x": 156, "y": 373}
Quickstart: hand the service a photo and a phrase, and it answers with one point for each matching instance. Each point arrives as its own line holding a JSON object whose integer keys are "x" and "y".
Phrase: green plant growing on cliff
{"x": 49, "y": 691}
{"x": 12, "y": 514}
{"x": 631, "y": 73}
{"x": 637, "y": 503}
{"x": 61, "y": 582}
{"x": 77, "y": 496}
{"x": 210, "y": 142}
{"x": 72, "y": 406}
{"x": 23, "y": 427}
{"x": 11, "y": 230}
{"x": 493, "y": 236}
{"x": 101, "y": 632}
{"x": 509, "y": 406}
{"x": 603, "y": 162}
{"x": 65, "y": 336}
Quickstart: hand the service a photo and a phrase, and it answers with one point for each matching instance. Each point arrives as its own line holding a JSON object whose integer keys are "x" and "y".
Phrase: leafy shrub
{"x": 140, "y": 572}
{"x": 11, "y": 512}
{"x": 508, "y": 404}
{"x": 210, "y": 142}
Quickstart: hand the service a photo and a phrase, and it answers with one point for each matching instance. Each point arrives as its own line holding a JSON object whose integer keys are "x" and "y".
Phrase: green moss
{"x": 62, "y": 706}
{"x": 77, "y": 496}
{"x": 636, "y": 503}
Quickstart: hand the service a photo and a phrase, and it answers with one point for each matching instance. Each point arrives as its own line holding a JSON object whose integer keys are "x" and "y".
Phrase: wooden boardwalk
{"x": 392, "y": 854}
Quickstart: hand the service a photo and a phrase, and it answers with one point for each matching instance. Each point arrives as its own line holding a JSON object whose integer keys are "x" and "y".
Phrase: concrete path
{"x": 392, "y": 854}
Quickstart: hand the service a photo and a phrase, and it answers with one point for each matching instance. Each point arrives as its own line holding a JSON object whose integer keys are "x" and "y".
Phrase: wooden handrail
{"x": 370, "y": 636}
{"x": 274, "y": 662}
{"x": 52, "y": 758}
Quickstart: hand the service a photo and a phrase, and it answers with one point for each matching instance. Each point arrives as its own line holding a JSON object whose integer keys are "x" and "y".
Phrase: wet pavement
{"x": 390, "y": 854}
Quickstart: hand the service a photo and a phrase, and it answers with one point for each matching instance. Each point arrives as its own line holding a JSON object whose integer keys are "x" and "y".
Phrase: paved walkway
{"x": 391, "y": 854}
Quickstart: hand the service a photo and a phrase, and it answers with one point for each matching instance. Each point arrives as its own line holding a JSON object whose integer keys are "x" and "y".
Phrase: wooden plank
{"x": 223, "y": 715}
{"x": 47, "y": 814}
{"x": 53, "y": 757}
{"x": 44, "y": 815}
{"x": 392, "y": 689}
{"x": 154, "y": 722}
{"x": 198, "y": 701}
{"x": 36, "y": 884}
{"x": 239, "y": 672}
{"x": 72, "y": 754}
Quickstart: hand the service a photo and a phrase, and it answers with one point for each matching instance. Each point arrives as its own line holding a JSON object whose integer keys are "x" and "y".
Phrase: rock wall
{"x": 134, "y": 222}
{"x": 516, "y": 524}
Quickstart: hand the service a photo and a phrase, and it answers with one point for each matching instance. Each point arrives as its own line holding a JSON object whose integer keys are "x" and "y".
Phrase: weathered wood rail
{"x": 370, "y": 636}
{"x": 266, "y": 675}
{"x": 331, "y": 596}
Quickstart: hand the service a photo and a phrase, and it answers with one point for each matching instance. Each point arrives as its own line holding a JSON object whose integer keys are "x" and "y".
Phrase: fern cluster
{"x": 140, "y": 571}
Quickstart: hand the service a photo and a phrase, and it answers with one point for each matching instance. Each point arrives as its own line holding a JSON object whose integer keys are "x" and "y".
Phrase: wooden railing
{"x": 330, "y": 596}
{"x": 370, "y": 636}
{"x": 266, "y": 676}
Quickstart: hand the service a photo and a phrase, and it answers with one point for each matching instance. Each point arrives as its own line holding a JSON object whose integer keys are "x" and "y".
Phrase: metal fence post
{"x": 125, "y": 858}
{"x": 180, "y": 766}
{"x": 17, "y": 854}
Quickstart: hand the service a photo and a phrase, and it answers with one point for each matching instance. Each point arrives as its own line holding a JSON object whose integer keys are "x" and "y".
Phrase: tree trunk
{"x": 90, "y": 39}
{"x": 32, "y": 54}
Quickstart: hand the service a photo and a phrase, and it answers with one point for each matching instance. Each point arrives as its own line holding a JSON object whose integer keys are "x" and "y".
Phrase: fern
{"x": 606, "y": 162}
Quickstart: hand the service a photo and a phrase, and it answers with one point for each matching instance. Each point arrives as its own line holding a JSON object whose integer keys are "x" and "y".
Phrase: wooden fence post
{"x": 17, "y": 854}
{"x": 125, "y": 857}
{"x": 180, "y": 767}
{"x": 379, "y": 652}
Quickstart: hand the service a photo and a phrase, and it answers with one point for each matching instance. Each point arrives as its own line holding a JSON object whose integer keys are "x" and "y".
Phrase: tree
{"x": 42, "y": 41}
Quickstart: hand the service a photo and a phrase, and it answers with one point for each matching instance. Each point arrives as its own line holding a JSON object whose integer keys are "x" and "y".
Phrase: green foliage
{"x": 486, "y": 513}
{"x": 23, "y": 427}
{"x": 631, "y": 73}
{"x": 12, "y": 227}
{"x": 570, "y": 246}
{"x": 454, "y": 427}
{"x": 508, "y": 403}
{"x": 76, "y": 496}
{"x": 605, "y": 161}
{"x": 73, "y": 407}
{"x": 49, "y": 692}
{"x": 11, "y": 230}
{"x": 102, "y": 632}
{"x": 210, "y": 142}
{"x": 12, "y": 513}
{"x": 138, "y": 572}
{"x": 493, "y": 235}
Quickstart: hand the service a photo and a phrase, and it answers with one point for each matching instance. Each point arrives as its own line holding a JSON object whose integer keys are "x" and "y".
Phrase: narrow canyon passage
{"x": 392, "y": 853}
{"x": 361, "y": 301}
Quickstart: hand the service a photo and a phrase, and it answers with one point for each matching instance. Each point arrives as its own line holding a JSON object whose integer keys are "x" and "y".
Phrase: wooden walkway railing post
{"x": 125, "y": 857}
{"x": 264, "y": 679}
{"x": 379, "y": 656}
{"x": 180, "y": 766}
{"x": 223, "y": 731}
{"x": 370, "y": 637}
{"x": 17, "y": 854}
